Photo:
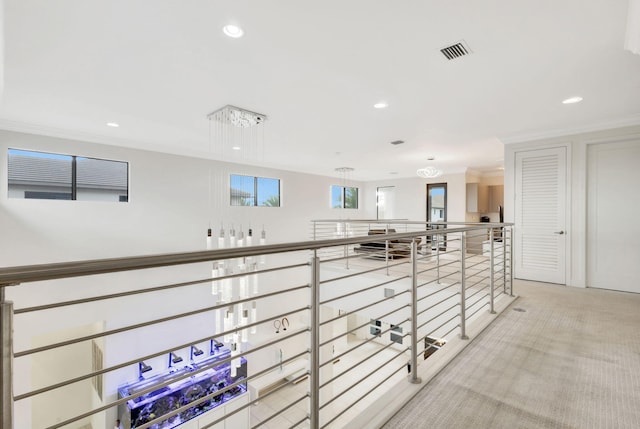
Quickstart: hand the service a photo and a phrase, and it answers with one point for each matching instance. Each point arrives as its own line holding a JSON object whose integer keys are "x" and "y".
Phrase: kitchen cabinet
{"x": 477, "y": 198}
{"x": 483, "y": 198}
{"x": 496, "y": 197}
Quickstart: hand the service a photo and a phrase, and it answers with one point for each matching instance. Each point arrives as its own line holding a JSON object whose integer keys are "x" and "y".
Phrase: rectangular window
{"x": 344, "y": 197}
{"x": 49, "y": 176}
{"x": 254, "y": 191}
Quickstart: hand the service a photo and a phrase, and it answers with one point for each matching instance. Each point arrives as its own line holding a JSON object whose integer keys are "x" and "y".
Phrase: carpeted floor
{"x": 570, "y": 360}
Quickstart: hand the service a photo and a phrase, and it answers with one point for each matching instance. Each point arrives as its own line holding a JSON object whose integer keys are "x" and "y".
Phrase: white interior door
{"x": 613, "y": 202}
{"x": 540, "y": 215}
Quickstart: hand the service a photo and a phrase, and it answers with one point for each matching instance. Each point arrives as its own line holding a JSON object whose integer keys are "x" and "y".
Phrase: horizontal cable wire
{"x": 450, "y": 319}
{"x": 276, "y": 414}
{"x": 479, "y": 308}
{"x": 434, "y": 292}
{"x": 364, "y": 290}
{"x": 148, "y": 290}
{"x": 326, "y": 383}
{"x": 439, "y": 314}
{"x": 437, "y": 303}
{"x": 143, "y": 358}
{"x": 468, "y": 307}
{"x": 366, "y": 394}
{"x": 154, "y": 322}
{"x": 363, "y": 307}
{"x": 364, "y": 378}
{"x": 359, "y": 327}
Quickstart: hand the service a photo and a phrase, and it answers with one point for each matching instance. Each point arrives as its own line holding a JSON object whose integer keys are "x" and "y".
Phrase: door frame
{"x": 589, "y": 244}
{"x": 443, "y": 247}
{"x": 574, "y": 177}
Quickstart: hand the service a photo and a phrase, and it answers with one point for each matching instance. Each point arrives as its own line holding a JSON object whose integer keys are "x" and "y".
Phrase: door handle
{"x": 559, "y": 232}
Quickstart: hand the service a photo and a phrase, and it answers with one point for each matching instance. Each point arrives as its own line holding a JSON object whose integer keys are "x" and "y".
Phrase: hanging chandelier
{"x": 237, "y": 117}
{"x": 235, "y": 135}
{"x": 428, "y": 172}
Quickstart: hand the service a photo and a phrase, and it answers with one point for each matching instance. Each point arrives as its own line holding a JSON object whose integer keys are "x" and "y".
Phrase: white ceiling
{"x": 158, "y": 67}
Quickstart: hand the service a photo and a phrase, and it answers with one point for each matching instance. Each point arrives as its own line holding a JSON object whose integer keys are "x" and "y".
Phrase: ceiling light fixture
{"x": 428, "y": 172}
{"x": 236, "y": 148}
{"x": 237, "y": 117}
{"x": 572, "y": 100}
{"x": 381, "y": 105}
{"x": 233, "y": 31}
{"x": 112, "y": 124}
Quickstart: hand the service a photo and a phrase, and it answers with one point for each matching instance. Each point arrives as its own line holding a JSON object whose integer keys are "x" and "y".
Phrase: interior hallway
{"x": 571, "y": 359}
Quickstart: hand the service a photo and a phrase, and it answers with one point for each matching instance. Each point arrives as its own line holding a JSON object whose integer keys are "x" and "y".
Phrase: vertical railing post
{"x": 511, "y": 261}
{"x": 463, "y": 287}
{"x": 314, "y": 362}
{"x": 6, "y": 361}
{"x": 345, "y": 251}
{"x": 346, "y": 256}
{"x": 413, "y": 376}
{"x": 504, "y": 260}
{"x": 386, "y": 248}
{"x": 491, "y": 273}
{"x": 386, "y": 254}
{"x": 437, "y": 257}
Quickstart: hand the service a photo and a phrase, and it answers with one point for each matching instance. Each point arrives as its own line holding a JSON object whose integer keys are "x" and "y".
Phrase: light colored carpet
{"x": 571, "y": 360}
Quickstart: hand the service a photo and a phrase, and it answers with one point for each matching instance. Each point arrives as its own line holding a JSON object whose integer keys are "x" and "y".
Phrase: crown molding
{"x": 44, "y": 130}
{"x": 628, "y": 121}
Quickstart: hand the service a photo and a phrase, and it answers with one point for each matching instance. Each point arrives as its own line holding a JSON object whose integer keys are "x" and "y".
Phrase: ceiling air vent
{"x": 397, "y": 142}
{"x": 458, "y": 50}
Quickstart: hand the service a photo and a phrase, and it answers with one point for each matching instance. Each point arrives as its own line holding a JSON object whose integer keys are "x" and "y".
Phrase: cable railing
{"x": 305, "y": 334}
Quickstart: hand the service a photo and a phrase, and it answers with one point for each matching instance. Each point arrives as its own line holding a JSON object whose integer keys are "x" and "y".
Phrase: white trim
{"x": 43, "y": 130}
{"x": 572, "y": 131}
{"x": 632, "y": 36}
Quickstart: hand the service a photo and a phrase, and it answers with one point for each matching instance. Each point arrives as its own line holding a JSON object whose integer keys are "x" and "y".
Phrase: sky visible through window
{"x": 244, "y": 189}
{"x": 38, "y": 154}
{"x": 344, "y": 197}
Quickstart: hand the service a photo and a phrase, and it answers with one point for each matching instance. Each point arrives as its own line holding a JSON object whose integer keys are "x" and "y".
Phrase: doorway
{"x": 385, "y": 202}
{"x": 612, "y": 225}
{"x": 437, "y": 212}
{"x": 540, "y": 215}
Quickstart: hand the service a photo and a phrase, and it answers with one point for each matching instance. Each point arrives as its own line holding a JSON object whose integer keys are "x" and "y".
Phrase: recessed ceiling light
{"x": 236, "y": 148}
{"x": 381, "y": 105}
{"x": 393, "y": 172}
{"x": 572, "y": 100}
{"x": 233, "y": 31}
{"x": 112, "y": 124}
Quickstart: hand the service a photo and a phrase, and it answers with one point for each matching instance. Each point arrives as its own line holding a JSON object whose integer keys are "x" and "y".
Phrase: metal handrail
{"x": 11, "y": 276}
{"x": 463, "y": 271}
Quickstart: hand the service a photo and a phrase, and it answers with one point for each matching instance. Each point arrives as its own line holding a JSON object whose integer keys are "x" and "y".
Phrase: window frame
{"x": 255, "y": 197}
{"x": 343, "y": 197}
{"x": 29, "y": 194}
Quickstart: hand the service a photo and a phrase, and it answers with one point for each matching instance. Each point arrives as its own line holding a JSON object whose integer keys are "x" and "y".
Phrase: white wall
{"x": 172, "y": 201}
{"x": 576, "y": 146}
{"x": 169, "y": 207}
{"x": 411, "y": 197}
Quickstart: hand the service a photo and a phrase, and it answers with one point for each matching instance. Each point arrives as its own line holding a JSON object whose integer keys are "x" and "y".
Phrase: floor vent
{"x": 518, "y": 309}
{"x": 458, "y": 50}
